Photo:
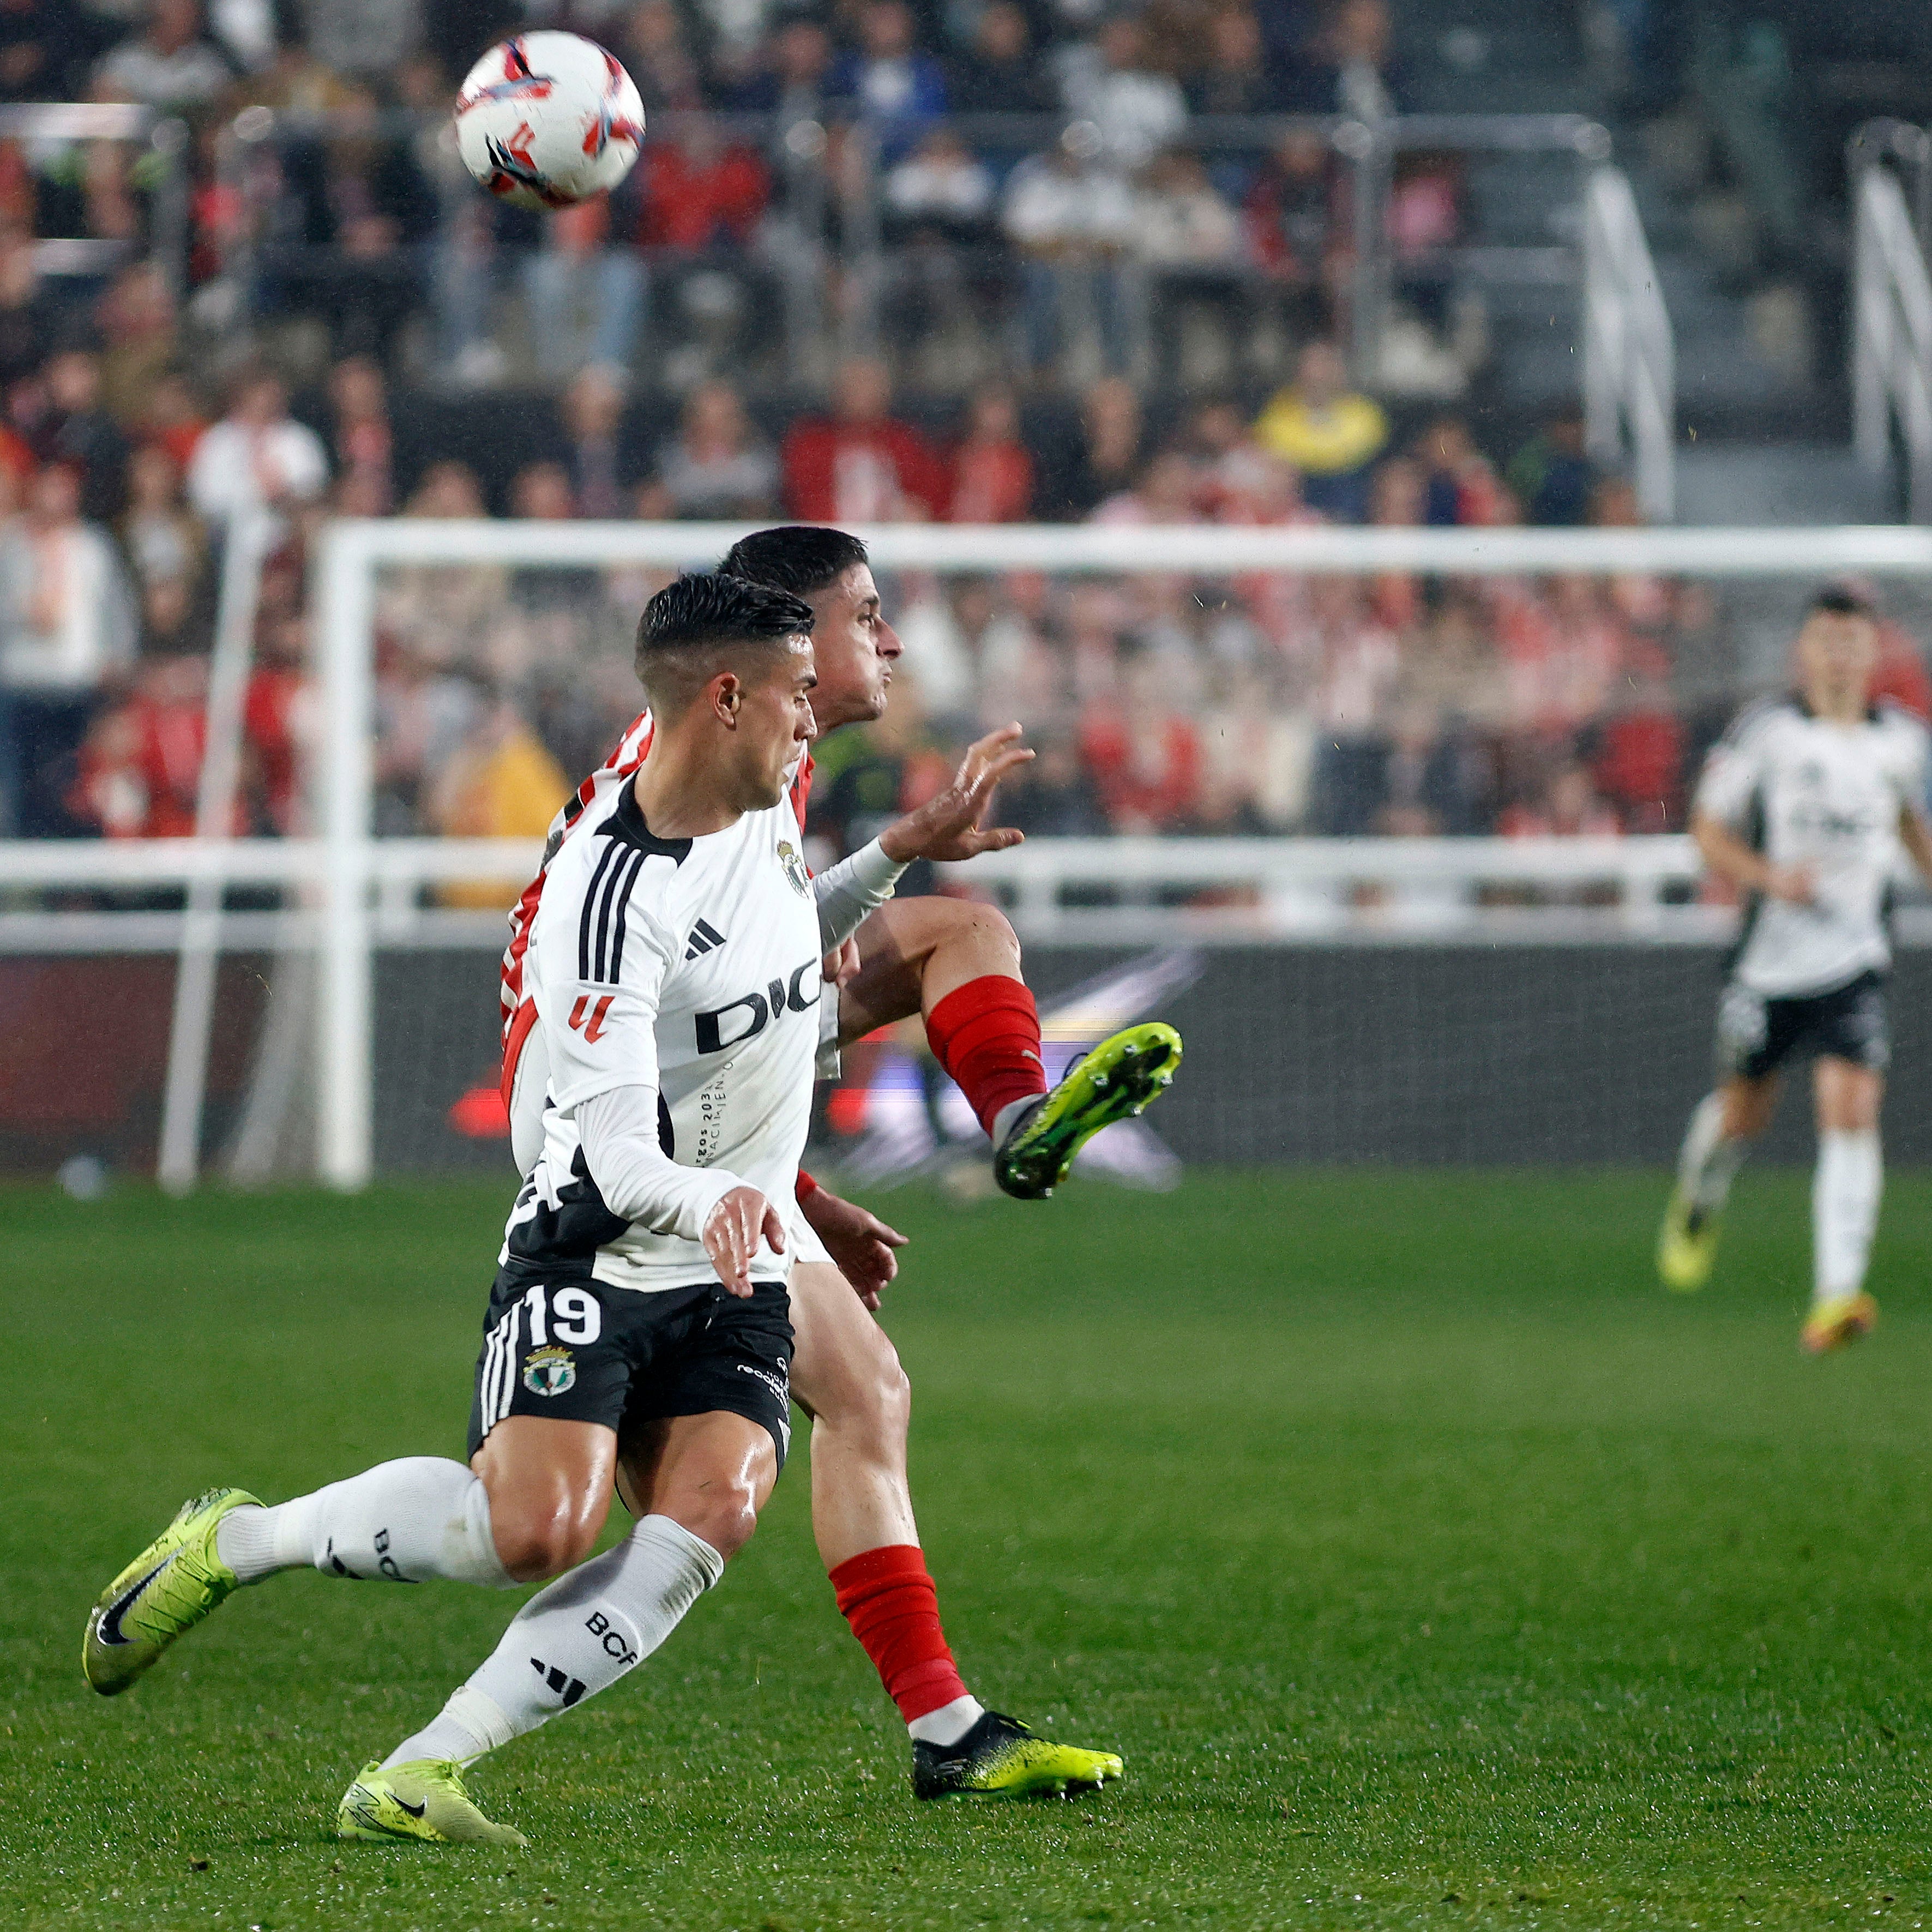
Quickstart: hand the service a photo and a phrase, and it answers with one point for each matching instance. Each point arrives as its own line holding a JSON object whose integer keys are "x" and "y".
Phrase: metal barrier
{"x": 1892, "y": 312}
{"x": 1630, "y": 355}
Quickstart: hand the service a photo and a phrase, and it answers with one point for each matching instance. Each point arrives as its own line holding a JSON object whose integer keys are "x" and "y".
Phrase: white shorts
{"x": 805, "y": 1245}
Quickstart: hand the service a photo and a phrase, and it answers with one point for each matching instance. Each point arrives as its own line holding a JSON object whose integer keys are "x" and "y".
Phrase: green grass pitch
{"x": 1430, "y": 1567}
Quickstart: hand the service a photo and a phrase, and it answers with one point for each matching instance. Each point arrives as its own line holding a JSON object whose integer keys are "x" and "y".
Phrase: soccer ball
{"x": 548, "y": 120}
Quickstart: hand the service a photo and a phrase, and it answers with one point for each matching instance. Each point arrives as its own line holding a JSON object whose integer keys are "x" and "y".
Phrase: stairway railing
{"x": 1892, "y": 328}
{"x": 1630, "y": 349}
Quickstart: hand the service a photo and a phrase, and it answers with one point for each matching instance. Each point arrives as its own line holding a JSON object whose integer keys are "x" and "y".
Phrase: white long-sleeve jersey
{"x": 687, "y": 968}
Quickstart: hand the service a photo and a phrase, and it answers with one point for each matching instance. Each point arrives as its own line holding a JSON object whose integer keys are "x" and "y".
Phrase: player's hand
{"x": 1796, "y": 885}
{"x": 860, "y": 1243}
{"x": 840, "y": 965}
{"x": 731, "y": 1233}
{"x": 947, "y": 827}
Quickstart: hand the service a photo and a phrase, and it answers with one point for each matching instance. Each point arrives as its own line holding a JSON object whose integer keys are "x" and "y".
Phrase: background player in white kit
{"x": 638, "y": 1332}
{"x": 1804, "y": 805}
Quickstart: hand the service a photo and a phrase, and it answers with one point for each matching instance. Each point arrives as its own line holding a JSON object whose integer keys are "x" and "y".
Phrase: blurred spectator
{"x": 593, "y": 415}
{"x": 275, "y": 722}
{"x": 43, "y": 48}
{"x": 356, "y": 222}
{"x": 162, "y": 537}
{"x": 860, "y": 465}
{"x": 715, "y": 467}
{"x": 1234, "y": 78}
{"x": 1639, "y": 761}
{"x": 1143, "y": 753}
{"x": 1181, "y": 220}
{"x": 137, "y": 317}
{"x": 1055, "y": 796}
{"x": 1073, "y": 222}
{"x": 73, "y": 428}
{"x": 1350, "y": 71}
{"x": 1002, "y": 73}
{"x": 895, "y": 86}
{"x": 1168, "y": 491}
{"x": 66, "y": 629}
{"x": 701, "y": 192}
{"x": 501, "y": 783}
{"x": 169, "y": 63}
{"x": 1296, "y": 228}
{"x": 447, "y": 489}
{"x": 257, "y": 457}
{"x": 586, "y": 295}
{"x": 788, "y": 78}
{"x": 173, "y": 417}
{"x": 1568, "y": 807}
{"x": 992, "y": 471}
{"x": 360, "y": 443}
{"x": 542, "y": 492}
{"x": 369, "y": 38}
{"x": 940, "y": 187}
{"x": 140, "y": 770}
{"x": 655, "y": 50}
{"x": 28, "y": 313}
{"x": 1329, "y": 432}
{"x": 1459, "y": 484}
{"x": 1110, "y": 451}
{"x": 1108, "y": 82}
{"x": 1552, "y": 475}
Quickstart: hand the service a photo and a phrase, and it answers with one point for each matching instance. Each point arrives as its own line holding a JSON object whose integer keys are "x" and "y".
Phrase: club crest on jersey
{"x": 549, "y": 1372}
{"x": 793, "y": 863}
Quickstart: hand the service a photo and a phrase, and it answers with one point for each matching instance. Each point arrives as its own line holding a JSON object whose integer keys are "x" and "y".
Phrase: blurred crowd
{"x": 132, "y": 440}
{"x": 1150, "y": 200}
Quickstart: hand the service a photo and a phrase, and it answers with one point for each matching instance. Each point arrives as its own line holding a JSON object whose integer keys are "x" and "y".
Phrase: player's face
{"x": 855, "y": 648}
{"x": 1836, "y": 653}
{"x": 776, "y": 722}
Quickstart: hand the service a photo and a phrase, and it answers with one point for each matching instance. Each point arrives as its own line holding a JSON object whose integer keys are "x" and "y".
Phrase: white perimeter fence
{"x": 348, "y": 894}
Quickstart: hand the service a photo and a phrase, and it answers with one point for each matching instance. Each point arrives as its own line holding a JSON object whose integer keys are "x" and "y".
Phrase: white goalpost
{"x": 350, "y": 893}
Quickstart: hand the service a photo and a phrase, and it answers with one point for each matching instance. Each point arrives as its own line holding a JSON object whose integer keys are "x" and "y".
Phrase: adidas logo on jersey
{"x": 705, "y": 938}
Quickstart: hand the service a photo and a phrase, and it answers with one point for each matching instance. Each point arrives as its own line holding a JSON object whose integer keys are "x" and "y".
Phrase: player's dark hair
{"x": 692, "y": 619}
{"x": 802, "y": 558}
{"x": 1843, "y": 600}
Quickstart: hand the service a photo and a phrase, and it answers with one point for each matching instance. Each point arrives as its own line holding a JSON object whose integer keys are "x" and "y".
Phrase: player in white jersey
{"x": 638, "y": 1338}
{"x": 1804, "y": 805}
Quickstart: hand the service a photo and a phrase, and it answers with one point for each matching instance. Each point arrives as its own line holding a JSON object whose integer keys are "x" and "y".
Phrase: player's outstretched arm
{"x": 731, "y": 1233}
{"x": 1749, "y": 870}
{"x": 860, "y": 1244}
{"x": 948, "y": 826}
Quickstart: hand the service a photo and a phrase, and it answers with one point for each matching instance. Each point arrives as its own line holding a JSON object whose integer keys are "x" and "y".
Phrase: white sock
{"x": 1845, "y": 1191}
{"x": 419, "y": 1517}
{"x": 1014, "y": 1115}
{"x": 949, "y": 1722}
{"x": 573, "y": 1639}
{"x": 1710, "y": 1160}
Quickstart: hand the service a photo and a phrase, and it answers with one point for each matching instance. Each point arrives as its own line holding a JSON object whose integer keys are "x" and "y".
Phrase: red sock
{"x": 887, "y": 1598}
{"x": 986, "y": 1035}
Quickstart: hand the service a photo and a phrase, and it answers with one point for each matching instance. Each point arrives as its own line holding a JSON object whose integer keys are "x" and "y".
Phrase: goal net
{"x": 1389, "y": 821}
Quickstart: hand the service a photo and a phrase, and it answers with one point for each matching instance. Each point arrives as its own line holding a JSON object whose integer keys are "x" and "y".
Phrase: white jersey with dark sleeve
{"x": 1805, "y": 790}
{"x": 688, "y": 967}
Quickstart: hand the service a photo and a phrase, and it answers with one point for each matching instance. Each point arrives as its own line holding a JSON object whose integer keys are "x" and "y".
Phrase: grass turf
{"x": 1430, "y": 1567}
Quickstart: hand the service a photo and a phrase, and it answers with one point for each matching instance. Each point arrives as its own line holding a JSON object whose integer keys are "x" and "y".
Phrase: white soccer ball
{"x": 548, "y": 120}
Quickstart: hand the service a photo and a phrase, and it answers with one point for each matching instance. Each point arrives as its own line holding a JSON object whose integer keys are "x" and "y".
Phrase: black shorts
{"x": 1756, "y": 1036}
{"x": 584, "y": 1351}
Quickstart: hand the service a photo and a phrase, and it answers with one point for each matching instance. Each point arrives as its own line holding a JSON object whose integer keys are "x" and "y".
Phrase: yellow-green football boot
{"x": 999, "y": 1757}
{"x": 167, "y": 1589}
{"x": 1687, "y": 1245}
{"x": 424, "y": 1799}
{"x": 1840, "y": 1319}
{"x": 1116, "y": 1080}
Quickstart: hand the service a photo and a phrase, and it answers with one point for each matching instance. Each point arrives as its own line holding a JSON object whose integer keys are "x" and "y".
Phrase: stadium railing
{"x": 344, "y": 896}
{"x": 1892, "y": 306}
